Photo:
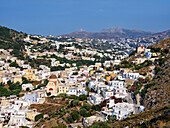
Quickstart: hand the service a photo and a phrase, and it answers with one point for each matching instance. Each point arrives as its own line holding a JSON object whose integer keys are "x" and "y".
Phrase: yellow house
{"x": 108, "y": 78}
{"x": 26, "y": 76}
{"x": 18, "y": 79}
{"x": 92, "y": 71}
{"x": 31, "y": 114}
{"x": 76, "y": 50}
{"x": 53, "y": 85}
{"x": 68, "y": 69}
{"x": 27, "y": 52}
{"x": 63, "y": 74}
{"x": 34, "y": 42}
{"x": 35, "y": 77}
{"x": 31, "y": 76}
{"x": 1, "y": 72}
{"x": 63, "y": 88}
{"x": 112, "y": 74}
{"x": 1, "y": 125}
{"x": 31, "y": 71}
{"x": 5, "y": 102}
{"x": 154, "y": 54}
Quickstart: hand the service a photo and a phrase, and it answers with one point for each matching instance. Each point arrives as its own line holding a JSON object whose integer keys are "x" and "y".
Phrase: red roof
{"x": 142, "y": 47}
{"x": 53, "y": 77}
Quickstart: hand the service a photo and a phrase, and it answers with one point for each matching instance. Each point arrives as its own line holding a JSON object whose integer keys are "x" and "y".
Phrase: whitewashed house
{"x": 130, "y": 75}
{"x": 116, "y": 84}
{"x": 107, "y": 93}
{"x": 96, "y": 99}
{"x": 123, "y": 110}
{"x": 29, "y": 85}
{"x": 101, "y": 86}
{"x": 121, "y": 92}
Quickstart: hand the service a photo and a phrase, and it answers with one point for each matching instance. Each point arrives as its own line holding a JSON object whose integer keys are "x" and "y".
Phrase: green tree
{"x": 25, "y": 81}
{"x": 69, "y": 119}
{"x": 82, "y": 97}
{"x": 75, "y": 115}
{"x": 14, "y": 64}
{"x": 39, "y": 116}
{"x": 86, "y": 106}
{"x": 83, "y": 112}
{"x": 75, "y": 73}
{"x": 74, "y": 103}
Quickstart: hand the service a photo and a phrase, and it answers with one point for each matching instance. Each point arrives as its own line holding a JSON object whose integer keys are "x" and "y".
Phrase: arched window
{"x": 51, "y": 89}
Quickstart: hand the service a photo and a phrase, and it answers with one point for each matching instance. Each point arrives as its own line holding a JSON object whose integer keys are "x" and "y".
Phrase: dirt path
{"x": 138, "y": 96}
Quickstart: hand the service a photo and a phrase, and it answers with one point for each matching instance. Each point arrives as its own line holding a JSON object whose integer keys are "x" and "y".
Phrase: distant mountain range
{"x": 112, "y": 33}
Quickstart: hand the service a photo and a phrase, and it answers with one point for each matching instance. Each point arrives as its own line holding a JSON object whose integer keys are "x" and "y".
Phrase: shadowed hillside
{"x": 11, "y": 39}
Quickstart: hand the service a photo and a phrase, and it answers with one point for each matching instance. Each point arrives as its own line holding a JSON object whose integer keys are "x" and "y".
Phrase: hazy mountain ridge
{"x": 113, "y": 33}
{"x": 123, "y": 30}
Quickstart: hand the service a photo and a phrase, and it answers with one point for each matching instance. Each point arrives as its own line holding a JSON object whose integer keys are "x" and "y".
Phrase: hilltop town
{"x": 48, "y": 81}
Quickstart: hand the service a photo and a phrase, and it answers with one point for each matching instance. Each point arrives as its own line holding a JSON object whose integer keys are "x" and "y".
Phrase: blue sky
{"x": 55, "y": 17}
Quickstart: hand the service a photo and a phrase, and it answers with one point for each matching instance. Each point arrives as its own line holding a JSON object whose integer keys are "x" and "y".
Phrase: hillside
{"x": 163, "y": 44}
{"x": 114, "y": 33}
{"x": 11, "y": 39}
{"x": 155, "y": 95}
{"x": 158, "y": 94}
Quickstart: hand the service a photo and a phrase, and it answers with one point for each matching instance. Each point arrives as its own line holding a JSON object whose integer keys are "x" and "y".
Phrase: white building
{"x": 96, "y": 99}
{"x": 77, "y": 91}
{"x": 116, "y": 84}
{"x": 121, "y": 92}
{"x": 107, "y": 93}
{"x": 25, "y": 86}
{"x": 123, "y": 110}
{"x": 130, "y": 75}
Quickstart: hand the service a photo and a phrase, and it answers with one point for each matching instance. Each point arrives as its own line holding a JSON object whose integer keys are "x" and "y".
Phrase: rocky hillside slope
{"x": 155, "y": 95}
{"x": 11, "y": 39}
{"x": 158, "y": 93}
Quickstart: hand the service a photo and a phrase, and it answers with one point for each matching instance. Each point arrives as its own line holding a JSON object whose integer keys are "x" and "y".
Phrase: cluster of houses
{"x": 111, "y": 93}
{"x": 101, "y": 86}
{"x": 74, "y": 53}
{"x": 105, "y": 86}
{"x": 144, "y": 54}
{"x": 15, "y": 113}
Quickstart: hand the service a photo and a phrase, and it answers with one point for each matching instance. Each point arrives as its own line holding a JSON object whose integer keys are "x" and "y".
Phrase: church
{"x": 53, "y": 85}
